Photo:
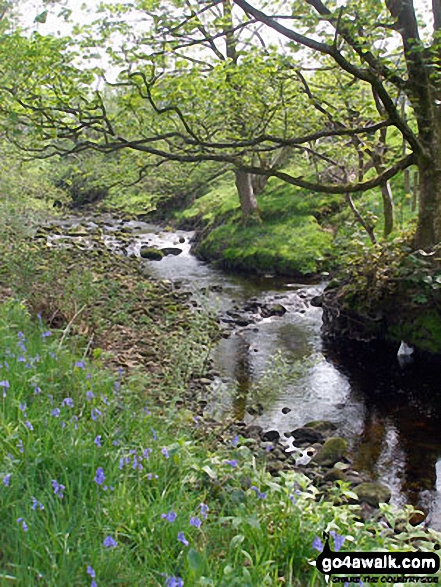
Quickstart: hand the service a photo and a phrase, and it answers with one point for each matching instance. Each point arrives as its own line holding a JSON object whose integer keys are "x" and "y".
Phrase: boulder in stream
{"x": 373, "y": 493}
{"x": 171, "y": 251}
{"x": 331, "y": 452}
{"x": 151, "y": 253}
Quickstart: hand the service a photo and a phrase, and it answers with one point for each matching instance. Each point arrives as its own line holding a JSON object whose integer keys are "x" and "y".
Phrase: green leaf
{"x": 195, "y": 561}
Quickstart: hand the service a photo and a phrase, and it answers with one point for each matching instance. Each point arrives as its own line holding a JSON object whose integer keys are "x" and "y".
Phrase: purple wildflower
{"x": 95, "y": 413}
{"x": 80, "y": 364}
{"x": 232, "y": 462}
{"x": 259, "y": 493}
{"x": 109, "y": 542}
{"x": 235, "y": 441}
{"x": 165, "y": 452}
{"x": 174, "y": 582}
{"x": 46, "y": 334}
{"x": 195, "y": 521}
{"x": 317, "y": 544}
{"x": 146, "y": 453}
{"x": 89, "y": 395}
{"x": 204, "y": 510}
{"x": 68, "y": 401}
{"x": 23, "y": 407}
{"x": 151, "y": 476}
{"x": 20, "y": 335}
{"x": 97, "y": 440}
{"x": 99, "y": 476}
{"x": 7, "y": 479}
{"x": 58, "y": 488}
{"x": 37, "y": 390}
{"x": 29, "y": 425}
{"x": 338, "y": 540}
{"x": 105, "y": 400}
{"x": 155, "y": 436}
{"x": 91, "y": 572}
{"x": 36, "y": 504}
{"x": 23, "y": 524}
{"x": 170, "y": 516}
{"x": 55, "y": 412}
{"x": 293, "y": 499}
{"x": 20, "y": 445}
{"x": 181, "y": 538}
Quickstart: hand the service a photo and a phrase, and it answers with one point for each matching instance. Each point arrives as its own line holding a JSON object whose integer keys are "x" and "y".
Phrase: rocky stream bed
{"x": 327, "y": 411}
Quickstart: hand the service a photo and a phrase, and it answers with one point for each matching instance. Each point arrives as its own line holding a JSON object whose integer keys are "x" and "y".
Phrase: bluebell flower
{"x": 20, "y": 335}
{"x": 165, "y": 452}
{"x": 232, "y": 463}
{"x": 91, "y": 572}
{"x": 29, "y": 425}
{"x": 293, "y": 499}
{"x": 317, "y": 544}
{"x": 36, "y": 504}
{"x": 155, "y": 436}
{"x": 259, "y": 493}
{"x": 204, "y": 510}
{"x": 55, "y": 412}
{"x": 146, "y": 453}
{"x": 195, "y": 521}
{"x": 109, "y": 542}
{"x": 37, "y": 390}
{"x": 151, "y": 476}
{"x": 95, "y": 413}
{"x": 89, "y": 395}
{"x": 338, "y": 540}
{"x": 235, "y": 441}
{"x": 80, "y": 364}
{"x": 170, "y": 516}
{"x": 58, "y": 488}
{"x": 174, "y": 582}
{"x": 68, "y": 401}
{"x": 7, "y": 479}
{"x": 146, "y": 411}
{"x": 23, "y": 524}
{"x": 23, "y": 407}
{"x": 5, "y": 384}
{"x": 99, "y": 476}
{"x": 21, "y": 359}
{"x": 181, "y": 538}
{"x": 46, "y": 334}
{"x": 20, "y": 445}
{"x": 97, "y": 440}
{"x": 105, "y": 400}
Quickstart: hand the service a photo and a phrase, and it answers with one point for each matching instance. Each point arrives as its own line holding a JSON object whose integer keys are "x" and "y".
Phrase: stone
{"x": 306, "y": 435}
{"x": 274, "y": 467}
{"x": 331, "y": 452}
{"x": 267, "y": 311}
{"x": 271, "y": 436}
{"x": 334, "y": 475}
{"x": 253, "y": 431}
{"x": 286, "y": 410}
{"x": 373, "y": 493}
{"x": 323, "y": 426}
{"x": 151, "y": 253}
{"x": 171, "y": 251}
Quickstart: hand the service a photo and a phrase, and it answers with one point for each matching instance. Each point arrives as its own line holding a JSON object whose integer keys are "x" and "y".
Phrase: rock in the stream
{"x": 323, "y": 426}
{"x": 271, "y": 436}
{"x": 373, "y": 493}
{"x": 286, "y": 410}
{"x": 267, "y": 310}
{"x": 151, "y": 253}
{"x": 171, "y": 251}
{"x": 306, "y": 435}
{"x": 331, "y": 452}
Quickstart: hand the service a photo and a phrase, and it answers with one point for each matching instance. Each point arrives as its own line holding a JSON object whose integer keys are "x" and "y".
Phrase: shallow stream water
{"x": 389, "y": 412}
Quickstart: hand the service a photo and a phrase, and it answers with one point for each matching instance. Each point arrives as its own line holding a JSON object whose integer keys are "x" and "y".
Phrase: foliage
{"x": 98, "y": 483}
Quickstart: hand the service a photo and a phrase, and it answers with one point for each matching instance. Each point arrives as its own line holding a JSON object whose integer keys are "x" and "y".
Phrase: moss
{"x": 422, "y": 330}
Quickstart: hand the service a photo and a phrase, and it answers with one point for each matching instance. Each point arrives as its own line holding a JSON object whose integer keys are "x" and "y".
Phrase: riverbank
{"x": 162, "y": 345}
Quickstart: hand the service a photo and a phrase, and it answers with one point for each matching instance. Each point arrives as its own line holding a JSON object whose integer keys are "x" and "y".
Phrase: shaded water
{"x": 390, "y": 414}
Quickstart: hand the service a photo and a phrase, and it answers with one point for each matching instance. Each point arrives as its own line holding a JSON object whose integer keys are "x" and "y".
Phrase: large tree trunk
{"x": 388, "y": 208}
{"x": 429, "y": 216}
{"x": 248, "y": 202}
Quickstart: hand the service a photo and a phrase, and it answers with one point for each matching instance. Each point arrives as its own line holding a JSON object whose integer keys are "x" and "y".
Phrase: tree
{"x": 175, "y": 103}
{"x": 349, "y": 41}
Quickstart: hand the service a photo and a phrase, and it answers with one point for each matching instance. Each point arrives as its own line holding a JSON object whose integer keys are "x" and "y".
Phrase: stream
{"x": 274, "y": 370}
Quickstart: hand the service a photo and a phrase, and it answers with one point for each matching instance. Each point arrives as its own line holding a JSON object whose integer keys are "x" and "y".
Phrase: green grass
{"x": 68, "y": 421}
